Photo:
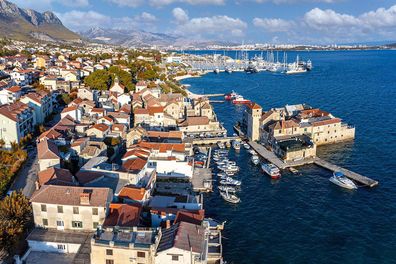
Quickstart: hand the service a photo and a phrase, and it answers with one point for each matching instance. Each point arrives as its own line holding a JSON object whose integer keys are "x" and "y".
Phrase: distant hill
{"x": 140, "y": 38}
{"x": 26, "y": 24}
{"x": 127, "y": 37}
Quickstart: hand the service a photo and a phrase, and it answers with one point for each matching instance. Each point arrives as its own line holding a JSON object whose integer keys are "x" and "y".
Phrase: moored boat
{"x": 255, "y": 159}
{"x": 240, "y": 100}
{"x": 339, "y": 179}
{"x": 231, "y": 198}
{"x": 236, "y": 145}
{"x": 271, "y": 170}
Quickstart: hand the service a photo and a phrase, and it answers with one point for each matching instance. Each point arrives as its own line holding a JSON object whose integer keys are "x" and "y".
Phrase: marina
{"x": 296, "y": 201}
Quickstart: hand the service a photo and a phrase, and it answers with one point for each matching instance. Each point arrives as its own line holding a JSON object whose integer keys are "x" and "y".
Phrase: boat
{"x": 228, "y": 70}
{"x": 251, "y": 69}
{"x": 224, "y": 188}
{"x": 236, "y": 145}
{"x": 230, "y": 181}
{"x": 255, "y": 160}
{"x": 229, "y": 168}
{"x": 230, "y": 96}
{"x": 228, "y": 144}
{"x": 342, "y": 181}
{"x": 251, "y": 151}
{"x": 271, "y": 170}
{"x": 221, "y": 174}
{"x": 240, "y": 100}
{"x": 217, "y": 71}
{"x": 297, "y": 67}
{"x": 246, "y": 146}
{"x": 231, "y": 198}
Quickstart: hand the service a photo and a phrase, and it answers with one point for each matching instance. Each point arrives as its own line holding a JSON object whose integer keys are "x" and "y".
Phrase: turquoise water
{"x": 306, "y": 219}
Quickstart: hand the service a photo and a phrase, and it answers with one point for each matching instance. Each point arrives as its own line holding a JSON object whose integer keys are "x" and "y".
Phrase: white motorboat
{"x": 231, "y": 198}
{"x": 229, "y": 168}
{"x": 342, "y": 181}
{"x": 236, "y": 145}
{"x": 255, "y": 159}
{"x": 246, "y": 146}
{"x": 230, "y": 181}
{"x": 293, "y": 170}
{"x": 221, "y": 174}
{"x": 221, "y": 145}
{"x": 271, "y": 170}
{"x": 224, "y": 188}
{"x": 217, "y": 70}
{"x": 251, "y": 151}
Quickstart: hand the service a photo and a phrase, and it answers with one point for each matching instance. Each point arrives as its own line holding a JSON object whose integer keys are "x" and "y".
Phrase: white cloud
{"x": 326, "y": 25}
{"x": 145, "y": 18}
{"x": 129, "y": 3}
{"x": 159, "y": 3}
{"x": 79, "y": 20}
{"x": 319, "y": 19}
{"x": 273, "y": 24}
{"x": 219, "y": 27}
{"x": 180, "y": 15}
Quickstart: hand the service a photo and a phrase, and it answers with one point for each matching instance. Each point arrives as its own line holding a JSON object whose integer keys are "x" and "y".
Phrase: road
{"x": 26, "y": 178}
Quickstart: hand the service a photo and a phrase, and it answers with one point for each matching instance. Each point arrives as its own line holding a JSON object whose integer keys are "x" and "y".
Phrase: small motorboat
{"x": 246, "y": 146}
{"x": 228, "y": 144}
{"x": 229, "y": 168}
{"x": 221, "y": 145}
{"x": 236, "y": 145}
{"x": 217, "y": 70}
{"x": 342, "y": 181}
{"x": 230, "y": 181}
{"x": 221, "y": 174}
{"x": 255, "y": 159}
{"x": 231, "y": 198}
{"x": 271, "y": 170}
{"x": 251, "y": 151}
{"x": 229, "y": 189}
{"x": 240, "y": 100}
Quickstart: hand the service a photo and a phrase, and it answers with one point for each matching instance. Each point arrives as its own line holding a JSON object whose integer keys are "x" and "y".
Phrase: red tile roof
{"x": 123, "y": 215}
{"x": 47, "y": 150}
{"x": 134, "y": 164}
{"x": 55, "y": 176}
{"x": 132, "y": 193}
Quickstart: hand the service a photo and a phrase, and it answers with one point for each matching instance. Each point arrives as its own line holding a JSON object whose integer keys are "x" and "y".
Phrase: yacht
{"x": 229, "y": 168}
{"x": 255, "y": 160}
{"x": 228, "y": 70}
{"x": 342, "y": 181}
{"x": 271, "y": 170}
{"x": 217, "y": 71}
{"x": 236, "y": 145}
{"x": 231, "y": 198}
{"x": 240, "y": 100}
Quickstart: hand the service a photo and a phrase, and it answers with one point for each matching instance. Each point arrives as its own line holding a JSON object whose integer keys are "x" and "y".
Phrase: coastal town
{"x": 116, "y": 154}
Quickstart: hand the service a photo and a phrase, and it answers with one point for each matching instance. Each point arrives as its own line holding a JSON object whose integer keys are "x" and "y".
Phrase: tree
{"x": 2, "y": 143}
{"x": 100, "y": 80}
{"x": 15, "y": 217}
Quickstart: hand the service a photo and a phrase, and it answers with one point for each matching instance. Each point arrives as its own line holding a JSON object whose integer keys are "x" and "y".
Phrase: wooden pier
{"x": 350, "y": 174}
{"x": 271, "y": 157}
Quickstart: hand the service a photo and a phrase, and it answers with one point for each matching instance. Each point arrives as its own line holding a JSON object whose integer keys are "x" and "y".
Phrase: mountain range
{"x": 27, "y": 24}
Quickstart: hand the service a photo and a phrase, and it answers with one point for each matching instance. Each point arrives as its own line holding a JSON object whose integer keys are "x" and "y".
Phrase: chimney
{"x": 84, "y": 198}
{"x": 167, "y": 224}
{"x": 37, "y": 185}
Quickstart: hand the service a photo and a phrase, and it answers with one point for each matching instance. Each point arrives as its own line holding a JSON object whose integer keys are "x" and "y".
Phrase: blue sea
{"x": 307, "y": 219}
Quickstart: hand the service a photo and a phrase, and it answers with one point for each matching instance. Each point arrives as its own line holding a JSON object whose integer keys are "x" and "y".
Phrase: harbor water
{"x": 305, "y": 218}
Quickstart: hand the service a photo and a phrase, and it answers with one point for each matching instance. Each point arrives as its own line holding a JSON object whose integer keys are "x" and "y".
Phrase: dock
{"x": 202, "y": 180}
{"x": 271, "y": 157}
{"x": 350, "y": 174}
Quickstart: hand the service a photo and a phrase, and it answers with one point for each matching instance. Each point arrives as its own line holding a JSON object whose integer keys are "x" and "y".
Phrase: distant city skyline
{"x": 248, "y": 21}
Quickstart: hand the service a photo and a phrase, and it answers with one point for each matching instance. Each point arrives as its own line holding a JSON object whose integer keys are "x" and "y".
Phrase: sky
{"x": 239, "y": 21}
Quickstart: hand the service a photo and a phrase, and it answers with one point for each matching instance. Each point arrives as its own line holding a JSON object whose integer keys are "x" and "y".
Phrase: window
{"x": 43, "y": 208}
{"x": 61, "y": 247}
{"x": 60, "y": 223}
{"x": 175, "y": 258}
{"x": 77, "y": 224}
{"x": 280, "y": 130}
{"x": 95, "y": 224}
{"x": 109, "y": 252}
{"x": 109, "y": 261}
{"x": 95, "y": 211}
{"x": 75, "y": 210}
{"x": 45, "y": 222}
{"x": 60, "y": 209}
{"x": 141, "y": 254}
